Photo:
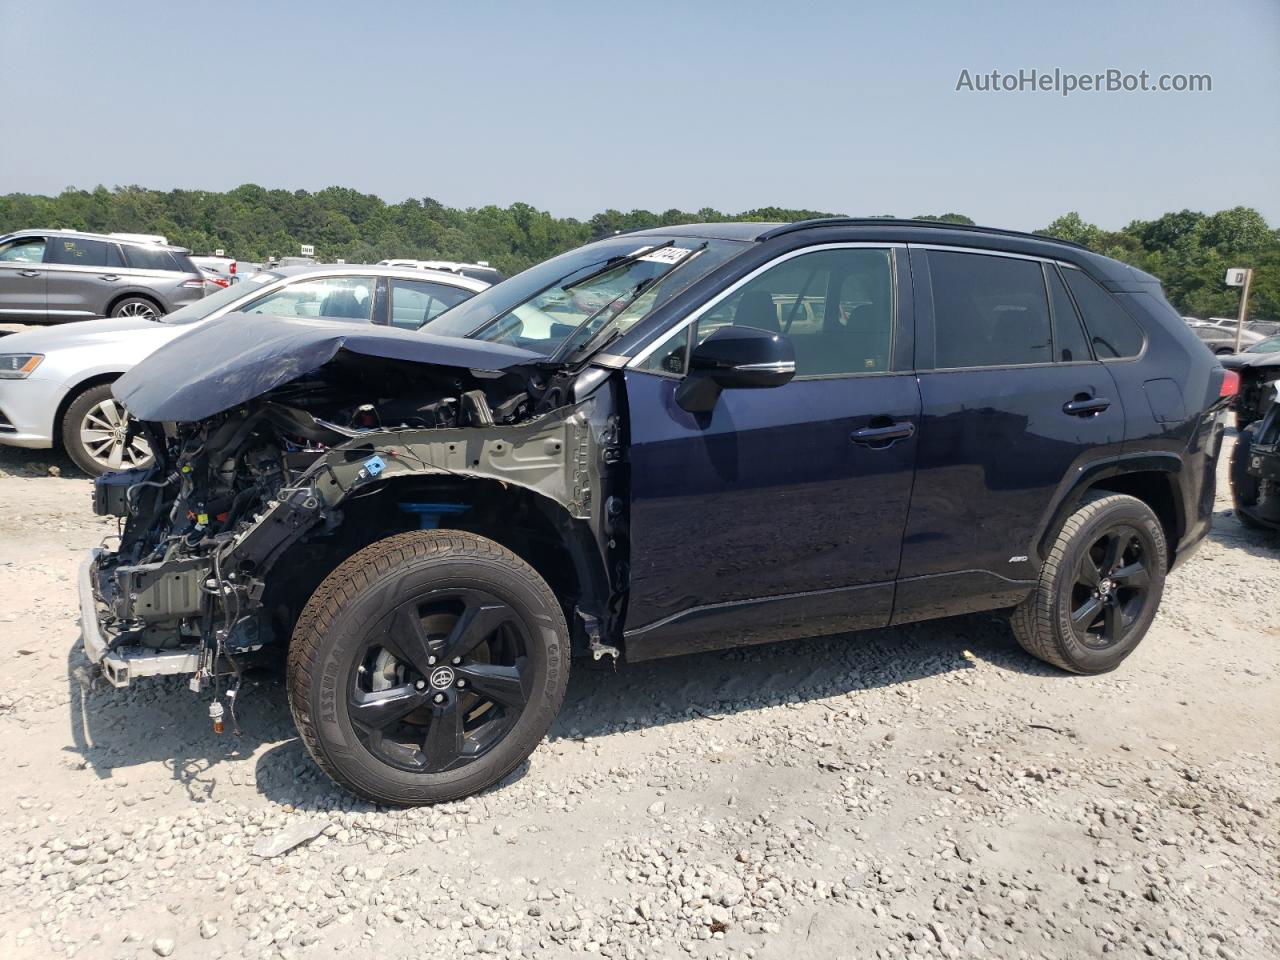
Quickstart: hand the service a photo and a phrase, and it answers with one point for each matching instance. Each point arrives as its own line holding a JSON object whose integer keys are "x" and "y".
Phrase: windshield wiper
{"x": 611, "y": 265}
{"x": 571, "y": 354}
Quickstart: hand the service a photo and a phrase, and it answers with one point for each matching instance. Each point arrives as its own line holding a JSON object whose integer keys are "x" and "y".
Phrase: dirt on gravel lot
{"x": 924, "y": 791}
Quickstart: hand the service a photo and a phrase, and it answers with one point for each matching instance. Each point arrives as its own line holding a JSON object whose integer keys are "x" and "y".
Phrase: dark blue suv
{"x": 666, "y": 441}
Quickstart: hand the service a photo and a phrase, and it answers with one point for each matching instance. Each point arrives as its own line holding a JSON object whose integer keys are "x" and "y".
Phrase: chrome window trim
{"x": 692, "y": 317}
{"x": 987, "y": 252}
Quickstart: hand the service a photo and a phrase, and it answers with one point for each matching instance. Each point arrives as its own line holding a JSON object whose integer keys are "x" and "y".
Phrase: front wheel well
{"x": 533, "y": 527}
{"x": 69, "y": 398}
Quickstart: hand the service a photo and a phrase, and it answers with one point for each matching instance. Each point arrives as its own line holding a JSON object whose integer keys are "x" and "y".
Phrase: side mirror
{"x": 735, "y": 358}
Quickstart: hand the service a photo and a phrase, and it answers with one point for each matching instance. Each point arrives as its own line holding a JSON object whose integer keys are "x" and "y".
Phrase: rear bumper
{"x": 1199, "y": 498}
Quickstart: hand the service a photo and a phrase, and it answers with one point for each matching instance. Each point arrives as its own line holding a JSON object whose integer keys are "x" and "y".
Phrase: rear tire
{"x": 427, "y": 667}
{"x": 93, "y": 434}
{"x": 1099, "y": 587}
{"x": 137, "y": 307}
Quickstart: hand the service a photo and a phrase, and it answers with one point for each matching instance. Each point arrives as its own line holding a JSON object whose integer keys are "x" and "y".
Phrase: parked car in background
{"x": 55, "y": 384}
{"x": 679, "y": 439}
{"x": 1259, "y": 370}
{"x": 1268, "y": 328}
{"x": 213, "y": 280}
{"x": 1255, "y": 467}
{"x": 479, "y": 271}
{"x": 53, "y": 276}
{"x": 219, "y": 271}
{"x": 1222, "y": 340}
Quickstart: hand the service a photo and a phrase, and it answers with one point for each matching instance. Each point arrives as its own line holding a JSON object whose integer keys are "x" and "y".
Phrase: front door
{"x": 1014, "y": 406}
{"x": 780, "y": 513}
{"x": 23, "y": 279}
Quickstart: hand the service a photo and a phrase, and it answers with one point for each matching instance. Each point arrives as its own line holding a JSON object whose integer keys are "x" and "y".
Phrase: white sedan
{"x": 55, "y": 382}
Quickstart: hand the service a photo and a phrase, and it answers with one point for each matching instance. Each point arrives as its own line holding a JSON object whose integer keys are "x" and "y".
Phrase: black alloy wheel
{"x": 427, "y": 666}
{"x": 1099, "y": 587}
{"x": 1111, "y": 588}
{"x": 442, "y": 678}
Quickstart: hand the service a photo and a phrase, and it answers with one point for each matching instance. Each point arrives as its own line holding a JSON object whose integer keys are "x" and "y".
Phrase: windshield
{"x": 207, "y": 305}
{"x": 1269, "y": 345}
{"x": 585, "y": 294}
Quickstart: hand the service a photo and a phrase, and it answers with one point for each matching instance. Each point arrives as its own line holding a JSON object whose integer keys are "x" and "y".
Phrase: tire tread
{"x": 1032, "y": 620}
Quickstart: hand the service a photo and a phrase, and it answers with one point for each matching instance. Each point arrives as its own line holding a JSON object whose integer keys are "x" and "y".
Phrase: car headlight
{"x": 19, "y": 366}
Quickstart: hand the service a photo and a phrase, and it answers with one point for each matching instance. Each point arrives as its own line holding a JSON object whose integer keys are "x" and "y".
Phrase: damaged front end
{"x": 273, "y": 469}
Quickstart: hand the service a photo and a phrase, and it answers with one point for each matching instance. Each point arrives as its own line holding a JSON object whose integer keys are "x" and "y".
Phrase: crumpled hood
{"x": 82, "y": 333}
{"x": 237, "y": 357}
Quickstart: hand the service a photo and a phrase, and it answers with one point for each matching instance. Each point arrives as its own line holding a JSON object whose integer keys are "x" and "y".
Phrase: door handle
{"x": 869, "y": 436}
{"x": 28, "y": 273}
{"x": 108, "y": 276}
{"x": 1083, "y": 406}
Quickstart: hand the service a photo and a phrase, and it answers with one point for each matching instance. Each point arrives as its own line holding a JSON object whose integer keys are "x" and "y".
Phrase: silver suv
{"x": 49, "y": 276}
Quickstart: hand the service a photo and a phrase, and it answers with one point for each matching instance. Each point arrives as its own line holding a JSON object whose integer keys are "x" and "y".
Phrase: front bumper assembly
{"x": 110, "y": 648}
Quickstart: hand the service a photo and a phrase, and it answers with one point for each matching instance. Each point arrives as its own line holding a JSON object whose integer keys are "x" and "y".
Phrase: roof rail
{"x": 892, "y": 222}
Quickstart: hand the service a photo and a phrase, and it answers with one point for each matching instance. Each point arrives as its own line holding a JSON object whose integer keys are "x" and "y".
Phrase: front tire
{"x": 95, "y": 434}
{"x": 1098, "y": 589}
{"x": 427, "y": 666}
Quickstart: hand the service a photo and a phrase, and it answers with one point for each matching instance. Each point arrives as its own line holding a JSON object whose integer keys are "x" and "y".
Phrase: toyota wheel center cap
{"x": 442, "y": 678}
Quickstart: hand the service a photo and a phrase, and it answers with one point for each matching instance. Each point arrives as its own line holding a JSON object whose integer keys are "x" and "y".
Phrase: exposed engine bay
{"x": 246, "y": 510}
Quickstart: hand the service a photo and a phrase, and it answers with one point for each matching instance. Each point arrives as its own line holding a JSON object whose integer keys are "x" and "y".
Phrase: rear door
{"x": 23, "y": 278}
{"x": 1014, "y": 404}
{"x": 780, "y": 513}
{"x": 83, "y": 276}
{"x": 414, "y": 302}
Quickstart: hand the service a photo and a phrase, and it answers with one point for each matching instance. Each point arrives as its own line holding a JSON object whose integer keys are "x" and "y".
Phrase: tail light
{"x": 232, "y": 271}
{"x": 194, "y": 284}
{"x": 1230, "y": 384}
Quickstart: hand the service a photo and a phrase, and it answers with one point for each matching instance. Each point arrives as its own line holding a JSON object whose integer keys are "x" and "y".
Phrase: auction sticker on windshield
{"x": 664, "y": 255}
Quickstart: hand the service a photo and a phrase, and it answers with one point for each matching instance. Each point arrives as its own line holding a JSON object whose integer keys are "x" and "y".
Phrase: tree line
{"x": 1188, "y": 250}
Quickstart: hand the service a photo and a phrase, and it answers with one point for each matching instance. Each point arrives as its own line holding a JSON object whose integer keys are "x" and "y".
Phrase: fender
{"x": 1071, "y": 491}
{"x": 557, "y": 458}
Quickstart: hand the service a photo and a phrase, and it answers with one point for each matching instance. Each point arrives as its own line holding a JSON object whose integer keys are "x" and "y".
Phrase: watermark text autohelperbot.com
{"x": 1065, "y": 83}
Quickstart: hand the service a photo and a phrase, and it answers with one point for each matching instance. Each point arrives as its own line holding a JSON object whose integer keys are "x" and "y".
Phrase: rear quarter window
{"x": 1115, "y": 335}
{"x": 150, "y": 258}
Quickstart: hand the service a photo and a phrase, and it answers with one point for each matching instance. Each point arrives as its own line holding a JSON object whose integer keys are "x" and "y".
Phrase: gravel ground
{"x": 927, "y": 791}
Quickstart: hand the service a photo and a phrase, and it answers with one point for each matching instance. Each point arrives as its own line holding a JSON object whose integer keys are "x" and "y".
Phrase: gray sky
{"x": 575, "y": 107}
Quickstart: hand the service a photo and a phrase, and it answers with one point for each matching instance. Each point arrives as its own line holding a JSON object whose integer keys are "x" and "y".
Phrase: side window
{"x": 671, "y": 355}
{"x": 149, "y": 258}
{"x": 836, "y": 306}
{"x": 334, "y": 298}
{"x": 77, "y": 252}
{"x": 988, "y": 310}
{"x": 414, "y": 302}
{"x": 1113, "y": 332}
{"x": 1068, "y": 335}
{"x": 22, "y": 250}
